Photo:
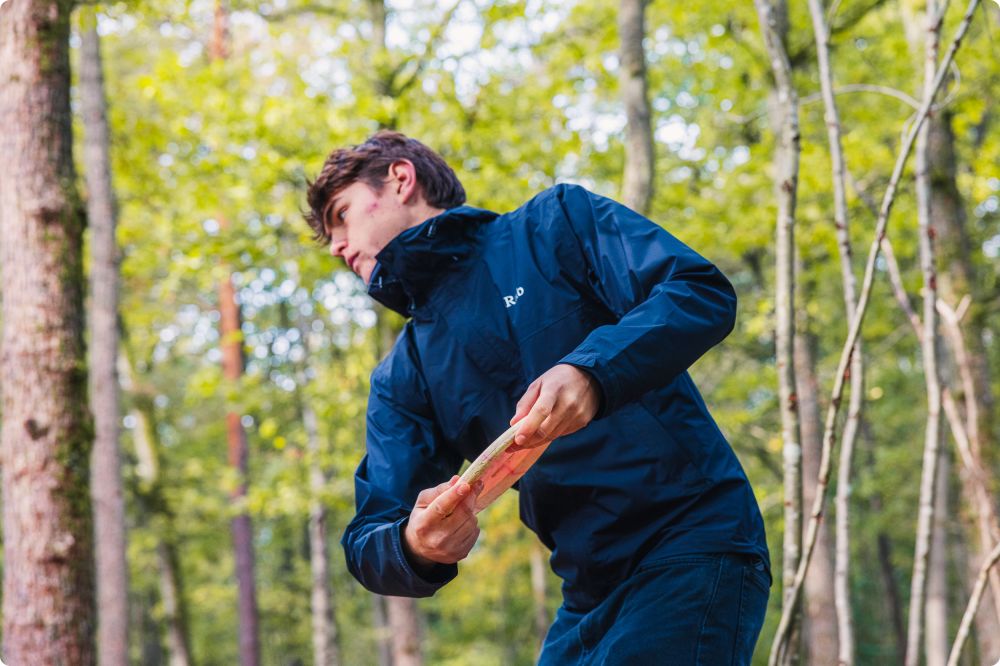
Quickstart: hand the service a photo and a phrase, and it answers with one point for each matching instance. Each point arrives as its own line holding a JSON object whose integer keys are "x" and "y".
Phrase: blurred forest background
{"x": 242, "y": 342}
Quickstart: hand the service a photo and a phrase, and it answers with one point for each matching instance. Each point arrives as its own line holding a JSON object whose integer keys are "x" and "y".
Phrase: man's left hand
{"x": 558, "y": 403}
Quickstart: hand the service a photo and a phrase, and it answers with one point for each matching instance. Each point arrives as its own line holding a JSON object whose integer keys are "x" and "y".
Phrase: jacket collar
{"x": 410, "y": 264}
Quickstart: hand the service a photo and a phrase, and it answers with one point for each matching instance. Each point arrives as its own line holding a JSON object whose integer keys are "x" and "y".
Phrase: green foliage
{"x": 210, "y": 165}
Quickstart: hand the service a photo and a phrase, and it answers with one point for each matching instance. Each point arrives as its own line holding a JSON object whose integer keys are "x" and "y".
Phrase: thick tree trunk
{"x": 957, "y": 280}
{"x": 820, "y": 630}
{"x": 46, "y": 435}
{"x": 784, "y": 116}
{"x": 637, "y": 182}
{"x": 404, "y": 630}
{"x": 105, "y": 471}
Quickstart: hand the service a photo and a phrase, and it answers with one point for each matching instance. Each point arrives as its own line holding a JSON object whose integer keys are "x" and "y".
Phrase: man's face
{"x": 362, "y": 221}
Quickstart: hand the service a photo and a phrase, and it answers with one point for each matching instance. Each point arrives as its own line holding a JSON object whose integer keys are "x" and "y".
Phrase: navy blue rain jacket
{"x": 494, "y": 302}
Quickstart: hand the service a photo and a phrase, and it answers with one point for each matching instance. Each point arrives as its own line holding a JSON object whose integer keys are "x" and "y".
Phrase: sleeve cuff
{"x": 605, "y": 382}
{"x": 425, "y": 581}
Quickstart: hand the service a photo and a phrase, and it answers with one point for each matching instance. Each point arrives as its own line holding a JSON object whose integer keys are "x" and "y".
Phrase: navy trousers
{"x": 687, "y": 610}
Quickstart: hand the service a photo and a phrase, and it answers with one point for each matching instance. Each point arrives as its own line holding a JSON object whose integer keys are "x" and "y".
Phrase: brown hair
{"x": 369, "y": 163}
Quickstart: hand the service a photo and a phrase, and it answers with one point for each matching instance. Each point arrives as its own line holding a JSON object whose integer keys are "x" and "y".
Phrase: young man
{"x": 580, "y": 317}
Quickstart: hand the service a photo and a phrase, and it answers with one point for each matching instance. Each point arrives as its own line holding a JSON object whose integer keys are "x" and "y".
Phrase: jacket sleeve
{"x": 402, "y": 458}
{"x": 670, "y": 304}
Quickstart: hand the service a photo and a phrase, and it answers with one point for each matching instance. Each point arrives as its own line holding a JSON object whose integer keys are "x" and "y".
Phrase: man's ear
{"x": 403, "y": 180}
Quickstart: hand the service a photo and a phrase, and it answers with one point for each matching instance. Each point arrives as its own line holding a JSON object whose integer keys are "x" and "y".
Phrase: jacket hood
{"x": 409, "y": 265}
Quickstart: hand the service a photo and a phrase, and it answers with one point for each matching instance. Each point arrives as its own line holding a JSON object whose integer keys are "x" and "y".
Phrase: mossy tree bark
{"x": 45, "y": 441}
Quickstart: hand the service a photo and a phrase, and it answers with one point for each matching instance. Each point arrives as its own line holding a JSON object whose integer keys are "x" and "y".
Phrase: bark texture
{"x": 404, "y": 629}
{"x": 930, "y": 353}
{"x": 105, "y": 471}
{"x": 820, "y": 622}
{"x": 784, "y": 115}
{"x": 46, "y": 435}
{"x": 539, "y": 594}
{"x": 637, "y": 182}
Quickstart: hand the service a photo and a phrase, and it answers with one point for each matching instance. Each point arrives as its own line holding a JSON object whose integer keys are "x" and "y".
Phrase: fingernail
{"x": 463, "y": 489}
{"x": 520, "y": 439}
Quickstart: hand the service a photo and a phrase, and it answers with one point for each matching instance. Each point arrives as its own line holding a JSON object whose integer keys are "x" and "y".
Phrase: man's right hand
{"x": 442, "y": 527}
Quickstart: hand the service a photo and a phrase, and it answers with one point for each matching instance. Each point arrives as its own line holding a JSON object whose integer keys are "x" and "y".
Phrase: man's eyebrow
{"x": 326, "y": 212}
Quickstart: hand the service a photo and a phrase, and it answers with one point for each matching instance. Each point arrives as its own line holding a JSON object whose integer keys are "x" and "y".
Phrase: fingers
{"x": 537, "y": 426}
{"x": 450, "y": 499}
{"x": 427, "y": 496}
{"x": 527, "y": 400}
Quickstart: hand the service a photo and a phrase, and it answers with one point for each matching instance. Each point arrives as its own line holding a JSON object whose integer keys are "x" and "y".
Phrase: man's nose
{"x": 337, "y": 247}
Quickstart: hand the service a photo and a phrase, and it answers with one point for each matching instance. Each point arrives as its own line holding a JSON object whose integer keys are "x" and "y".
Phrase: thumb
{"x": 427, "y": 496}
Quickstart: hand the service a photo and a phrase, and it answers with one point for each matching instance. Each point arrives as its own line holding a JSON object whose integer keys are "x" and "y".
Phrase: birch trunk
{"x": 380, "y": 621}
{"x": 105, "y": 471}
{"x": 845, "y": 624}
{"x": 46, "y": 433}
{"x": 930, "y": 347}
{"x": 785, "y": 624}
{"x": 783, "y": 111}
{"x": 637, "y": 182}
{"x": 936, "y": 642}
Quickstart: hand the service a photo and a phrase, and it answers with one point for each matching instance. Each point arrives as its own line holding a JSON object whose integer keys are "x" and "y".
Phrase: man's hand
{"x": 558, "y": 403}
{"x": 442, "y": 527}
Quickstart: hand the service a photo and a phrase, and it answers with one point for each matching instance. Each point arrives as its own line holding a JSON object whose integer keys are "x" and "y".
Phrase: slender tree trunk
{"x": 46, "y": 434}
{"x": 930, "y": 348}
{"x": 238, "y": 452}
{"x": 936, "y": 642}
{"x": 539, "y": 594}
{"x": 845, "y": 624}
{"x": 786, "y": 623}
{"x": 105, "y": 471}
{"x": 637, "y": 183}
{"x": 380, "y": 621}
{"x": 326, "y": 651}
{"x": 784, "y": 114}
{"x": 820, "y": 630}
{"x": 402, "y": 613}
{"x": 155, "y": 503}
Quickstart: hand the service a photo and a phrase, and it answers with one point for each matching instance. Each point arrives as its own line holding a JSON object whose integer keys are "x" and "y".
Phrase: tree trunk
{"x": 784, "y": 116}
{"x": 404, "y": 630}
{"x": 930, "y": 348}
{"x": 970, "y": 366}
{"x": 158, "y": 510}
{"x": 539, "y": 594}
{"x": 105, "y": 471}
{"x": 232, "y": 368}
{"x": 831, "y": 116}
{"x": 637, "y": 182}
{"x": 380, "y": 621}
{"x": 820, "y": 630}
{"x": 46, "y": 434}
{"x": 936, "y": 642}
{"x": 326, "y": 651}
{"x": 402, "y": 613}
